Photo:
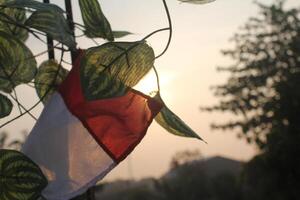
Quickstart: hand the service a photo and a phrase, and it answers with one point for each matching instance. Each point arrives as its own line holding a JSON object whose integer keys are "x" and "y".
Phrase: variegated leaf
{"x": 108, "y": 70}
{"x": 50, "y": 75}
{"x": 96, "y": 24}
{"x": 172, "y": 123}
{"x": 20, "y": 178}
{"x": 17, "y": 63}
{"x": 54, "y": 24}
{"x": 12, "y": 15}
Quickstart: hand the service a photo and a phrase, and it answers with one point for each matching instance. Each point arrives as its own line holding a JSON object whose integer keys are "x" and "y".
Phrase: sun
{"x": 148, "y": 85}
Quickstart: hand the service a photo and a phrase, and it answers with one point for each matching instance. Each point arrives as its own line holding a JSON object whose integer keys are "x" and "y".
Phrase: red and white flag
{"x": 77, "y": 142}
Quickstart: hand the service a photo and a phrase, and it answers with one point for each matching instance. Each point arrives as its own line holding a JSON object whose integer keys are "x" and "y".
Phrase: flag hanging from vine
{"x": 77, "y": 141}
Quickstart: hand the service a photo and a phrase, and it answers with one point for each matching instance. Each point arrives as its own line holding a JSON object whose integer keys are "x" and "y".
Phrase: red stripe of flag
{"x": 117, "y": 124}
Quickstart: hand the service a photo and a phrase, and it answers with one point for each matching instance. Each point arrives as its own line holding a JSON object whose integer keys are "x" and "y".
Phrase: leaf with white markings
{"x": 5, "y": 106}
{"x": 172, "y": 123}
{"x": 17, "y": 63}
{"x": 8, "y": 16}
{"x": 50, "y": 75}
{"x": 20, "y": 178}
{"x": 54, "y": 24}
{"x": 96, "y": 24}
{"x": 107, "y": 71}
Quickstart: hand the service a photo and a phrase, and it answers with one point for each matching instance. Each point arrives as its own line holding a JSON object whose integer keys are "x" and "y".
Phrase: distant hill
{"x": 156, "y": 188}
{"x": 216, "y": 165}
{"x": 212, "y": 166}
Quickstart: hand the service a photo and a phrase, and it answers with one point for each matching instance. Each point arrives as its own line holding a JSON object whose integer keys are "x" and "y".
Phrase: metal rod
{"x": 51, "y": 53}
{"x": 68, "y": 6}
{"x": 90, "y": 194}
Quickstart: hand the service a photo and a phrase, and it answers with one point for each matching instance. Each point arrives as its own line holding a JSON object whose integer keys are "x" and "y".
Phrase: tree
{"x": 263, "y": 91}
{"x": 183, "y": 157}
{"x": 262, "y": 87}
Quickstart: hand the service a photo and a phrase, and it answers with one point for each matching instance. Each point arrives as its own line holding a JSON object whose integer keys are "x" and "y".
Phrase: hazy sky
{"x": 187, "y": 72}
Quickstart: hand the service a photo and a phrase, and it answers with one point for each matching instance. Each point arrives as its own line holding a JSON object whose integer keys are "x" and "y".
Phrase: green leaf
{"x": 96, "y": 24}
{"x": 5, "y": 106}
{"x": 172, "y": 123}
{"x": 17, "y": 63}
{"x": 108, "y": 70}
{"x": 21, "y": 4}
{"x": 14, "y": 15}
{"x": 20, "y": 178}
{"x": 50, "y": 75}
{"x": 119, "y": 34}
{"x": 54, "y": 24}
{"x": 196, "y": 1}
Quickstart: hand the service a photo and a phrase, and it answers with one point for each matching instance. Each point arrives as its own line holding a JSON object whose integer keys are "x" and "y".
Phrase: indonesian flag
{"x": 77, "y": 142}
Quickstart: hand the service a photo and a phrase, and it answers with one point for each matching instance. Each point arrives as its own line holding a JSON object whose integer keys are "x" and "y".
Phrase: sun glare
{"x": 148, "y": 85}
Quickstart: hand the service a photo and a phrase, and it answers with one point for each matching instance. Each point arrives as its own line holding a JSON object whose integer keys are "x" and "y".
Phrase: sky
{"x": 187, "y": 72}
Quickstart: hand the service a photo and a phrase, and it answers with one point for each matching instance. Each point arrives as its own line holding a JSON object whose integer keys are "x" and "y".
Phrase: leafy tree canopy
{"x": 263, "y": 87}
{"x": 263, "y": 91}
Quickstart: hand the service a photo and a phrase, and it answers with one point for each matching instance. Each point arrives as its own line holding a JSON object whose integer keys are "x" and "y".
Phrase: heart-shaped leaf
{"x": 54, "y": 24}
{"x": 17, "y": 63}
{"x": 96, "y": 24}
{"x": 13, "y": 15}
{"x": 107, "y": 70}
{"x": 50, "y": 75}
{"x": 5, "y": 106}
{"x": 20, "y": 178}
{"x": 196, "y": 1}
{"x": 172, "y": 123}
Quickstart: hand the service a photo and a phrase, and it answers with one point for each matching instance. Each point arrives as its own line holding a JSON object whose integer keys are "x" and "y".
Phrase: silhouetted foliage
{"x": 184, "y": 157}
{"x": 263, "y": 91}
{"x": 225, "y": 186}
{"x": 275, "y": 173}
{"x": 193, "y": 180}
{"x": 263, "y": 88}
{"x": 188, "y": 181}
{"x": 214, "y": 178}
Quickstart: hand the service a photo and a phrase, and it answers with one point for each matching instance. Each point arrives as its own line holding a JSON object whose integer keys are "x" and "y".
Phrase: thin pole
{"x": 51, "y": 53}
{"x": 68, "y": 6}
{"x": 90, "y": 194}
